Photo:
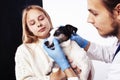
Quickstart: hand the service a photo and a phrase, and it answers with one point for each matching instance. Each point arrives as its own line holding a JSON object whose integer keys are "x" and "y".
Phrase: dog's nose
{"x": 57, "y": 33}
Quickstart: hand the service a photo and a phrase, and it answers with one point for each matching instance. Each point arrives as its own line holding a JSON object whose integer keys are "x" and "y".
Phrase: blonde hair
{"x": 27, "y": 35}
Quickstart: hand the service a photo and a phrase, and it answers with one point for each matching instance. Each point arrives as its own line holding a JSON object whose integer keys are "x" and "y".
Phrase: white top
{"x": 33, "y": 63}
{"x": 106, "y": 54}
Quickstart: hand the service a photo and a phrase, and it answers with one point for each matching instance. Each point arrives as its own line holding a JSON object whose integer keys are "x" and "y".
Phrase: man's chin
{"x": 107, "y": 35}
{"x": 103, "y": 35}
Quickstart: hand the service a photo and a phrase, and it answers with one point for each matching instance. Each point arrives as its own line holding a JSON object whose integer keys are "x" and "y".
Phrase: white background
{"x": 75, "y": 12}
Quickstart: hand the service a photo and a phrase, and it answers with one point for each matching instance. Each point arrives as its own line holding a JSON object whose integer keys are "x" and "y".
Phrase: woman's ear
{"x": 117, "y": 9}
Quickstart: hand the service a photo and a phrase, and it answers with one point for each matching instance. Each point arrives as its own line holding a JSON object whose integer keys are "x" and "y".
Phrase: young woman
{"x": 105, "y": 17}
{"x": 31, "y": 60}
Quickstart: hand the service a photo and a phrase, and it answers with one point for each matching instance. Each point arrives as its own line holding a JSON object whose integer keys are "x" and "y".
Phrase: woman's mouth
{"x": 42, "y": 29}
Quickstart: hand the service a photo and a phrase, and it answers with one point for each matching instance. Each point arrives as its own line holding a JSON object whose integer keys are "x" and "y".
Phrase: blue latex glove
{"x": 80, "y": 41}
{"x": 58, "y": 55}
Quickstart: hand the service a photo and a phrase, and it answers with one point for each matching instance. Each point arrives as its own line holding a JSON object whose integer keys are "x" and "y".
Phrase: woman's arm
{"x": 23, "y": 66}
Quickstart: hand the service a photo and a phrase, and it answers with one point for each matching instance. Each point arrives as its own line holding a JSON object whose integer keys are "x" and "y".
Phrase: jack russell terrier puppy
{"x": 72, "y": 50}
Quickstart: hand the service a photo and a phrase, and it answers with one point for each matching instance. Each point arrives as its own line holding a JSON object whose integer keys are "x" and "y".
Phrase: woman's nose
{"x": 39, "y": 25}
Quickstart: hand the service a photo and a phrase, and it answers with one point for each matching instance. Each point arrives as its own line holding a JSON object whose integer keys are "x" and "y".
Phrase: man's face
{"x": 102, "y": 20}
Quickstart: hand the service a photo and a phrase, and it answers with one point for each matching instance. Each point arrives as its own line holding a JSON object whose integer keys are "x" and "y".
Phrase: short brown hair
{"x": 110, "y": 4}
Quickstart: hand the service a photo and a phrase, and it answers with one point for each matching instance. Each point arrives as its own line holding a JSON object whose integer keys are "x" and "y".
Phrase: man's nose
{"x": 90, "y": 19}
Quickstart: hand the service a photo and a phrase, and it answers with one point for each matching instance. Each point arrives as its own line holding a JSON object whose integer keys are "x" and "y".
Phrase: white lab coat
{"x": 106, "y": 54}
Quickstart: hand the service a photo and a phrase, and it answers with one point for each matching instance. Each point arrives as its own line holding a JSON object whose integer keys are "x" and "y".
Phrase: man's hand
{"x": 80, "y": 41}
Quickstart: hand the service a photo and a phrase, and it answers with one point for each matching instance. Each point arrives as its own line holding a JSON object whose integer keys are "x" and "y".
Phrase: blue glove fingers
{"x": 81, "y": 42}
{"x": 56, "y": 43}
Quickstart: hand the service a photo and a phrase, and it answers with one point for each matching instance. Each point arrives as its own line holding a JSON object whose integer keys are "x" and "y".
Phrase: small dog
{"x": 72, "y": 50}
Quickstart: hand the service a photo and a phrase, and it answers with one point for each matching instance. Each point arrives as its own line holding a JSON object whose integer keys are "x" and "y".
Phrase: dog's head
{"x": 62, "y": 33}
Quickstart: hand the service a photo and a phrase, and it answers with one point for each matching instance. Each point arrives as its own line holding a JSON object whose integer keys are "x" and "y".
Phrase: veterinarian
{"x": 31, "y": 60}
{"x": 104, "y": 15}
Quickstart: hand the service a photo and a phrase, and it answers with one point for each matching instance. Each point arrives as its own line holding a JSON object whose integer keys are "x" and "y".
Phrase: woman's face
{"x": 101, "y": 19}
{"x": 38, "y": 23}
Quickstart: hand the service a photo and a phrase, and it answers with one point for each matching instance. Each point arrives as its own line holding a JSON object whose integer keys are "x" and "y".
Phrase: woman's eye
{"x": 32, "y": 22}
{"x": 40, "y": 17}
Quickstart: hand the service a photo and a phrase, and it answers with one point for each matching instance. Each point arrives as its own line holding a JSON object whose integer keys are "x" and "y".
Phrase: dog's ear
{"x": 71, "y": 28}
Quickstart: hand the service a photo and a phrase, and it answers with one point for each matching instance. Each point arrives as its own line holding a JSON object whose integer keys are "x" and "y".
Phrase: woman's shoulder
{"x": 24, "y": 49}
{"x": 27, "y": 45}
{"x": 21, "y": 46}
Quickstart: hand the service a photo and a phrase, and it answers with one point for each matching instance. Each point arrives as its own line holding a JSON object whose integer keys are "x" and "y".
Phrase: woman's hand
{"x": 74, "y": 67}
{"x": 59, "y": 75}
{"x": 57, "y": 54}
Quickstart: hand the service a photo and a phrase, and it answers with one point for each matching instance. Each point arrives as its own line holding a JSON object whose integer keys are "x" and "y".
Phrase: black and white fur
{"x": 72, "y": 50}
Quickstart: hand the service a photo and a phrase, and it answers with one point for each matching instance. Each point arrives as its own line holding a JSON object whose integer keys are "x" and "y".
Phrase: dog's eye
{"x": 57, "y": 33}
